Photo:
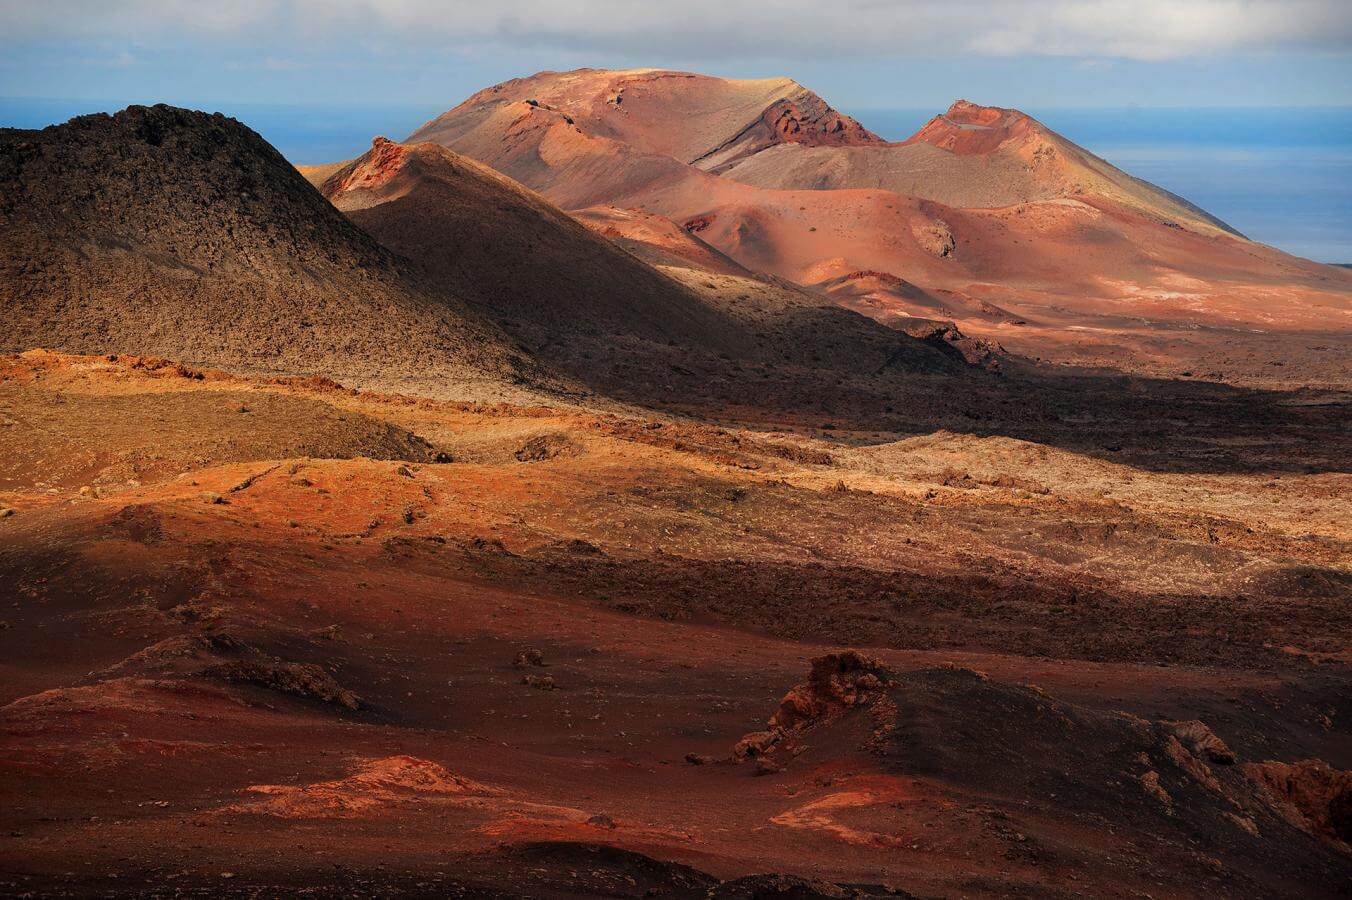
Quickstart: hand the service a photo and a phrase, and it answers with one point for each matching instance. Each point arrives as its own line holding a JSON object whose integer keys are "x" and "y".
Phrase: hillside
{"x": 990, "y": 219}
{"x": 182, "y": 234}
{"x": 640, "y": 325}
{"x": 973, "y": 157}
{"x": 297, "y": 652}
{"x": 516, "y": 258}
{"x": 657, "y": 239}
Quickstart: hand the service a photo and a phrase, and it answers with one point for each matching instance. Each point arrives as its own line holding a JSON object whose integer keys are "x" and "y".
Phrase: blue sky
{"x": 860, "y": 54}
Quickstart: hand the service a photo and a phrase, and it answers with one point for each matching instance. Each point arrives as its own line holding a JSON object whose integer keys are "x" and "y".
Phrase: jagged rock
{"x": 299, "y": 679}
{"x": 837, "y": 682}
{"x": 1202, "y": 741}
{"x": 1310, "y": 794}
{"x": 755, "y": 744}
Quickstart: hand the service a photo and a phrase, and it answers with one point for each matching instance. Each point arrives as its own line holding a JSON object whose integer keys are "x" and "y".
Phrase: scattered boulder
{"x": 837, "y": 682}
{"x": 1150, "y": 782}
{"x": 530, "y": 657}
{"x": 488, "y": 546}
{"x": 543, "y": 447}
{"x": 539, "y": 682}
{"x": 936, "y": 238}
{"x": 766, "y": 767}
{"x": 756, "y": 744}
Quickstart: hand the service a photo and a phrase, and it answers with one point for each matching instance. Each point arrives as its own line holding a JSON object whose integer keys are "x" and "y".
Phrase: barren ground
{"x": 278, "y": 639}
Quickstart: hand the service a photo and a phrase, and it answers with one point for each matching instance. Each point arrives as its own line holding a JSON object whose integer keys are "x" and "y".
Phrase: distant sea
{"x": 1280, "y": 176}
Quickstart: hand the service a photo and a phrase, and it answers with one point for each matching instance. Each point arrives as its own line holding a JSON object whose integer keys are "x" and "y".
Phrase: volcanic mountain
{"x": 971, "y": 157}
{"x": 515, "y": 257}
{"x": 622, "y": 322}
{"x": 176, "y": 233}
{"x": 710, "y": 123}
{"x": 985, "y": 217}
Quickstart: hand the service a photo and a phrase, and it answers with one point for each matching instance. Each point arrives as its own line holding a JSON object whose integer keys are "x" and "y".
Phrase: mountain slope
{"x": 177, "y": 233}
{"x": 985, "y": 218}
{"x": 515, "y": 257}
{"x": 972, "y": 156}
{"x": 657, "y": 239}
{"x": 608, "y": 318}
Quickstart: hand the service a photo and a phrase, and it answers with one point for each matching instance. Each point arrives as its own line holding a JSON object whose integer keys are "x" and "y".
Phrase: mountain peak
{"x": 965, "y": 112}
{"x": 702, "y": 120}
{"x": 376, "y": 168}
{"x": 972, "y": 129}
{"x": 184, "y": 234}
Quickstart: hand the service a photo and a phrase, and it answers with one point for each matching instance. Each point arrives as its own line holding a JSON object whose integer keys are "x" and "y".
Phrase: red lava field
{"x": 643, "y": 484}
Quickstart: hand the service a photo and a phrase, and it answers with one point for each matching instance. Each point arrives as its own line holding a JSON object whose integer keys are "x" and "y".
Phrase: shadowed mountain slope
{"x": 517, "y": 258}
{"x": 611, "y": 319}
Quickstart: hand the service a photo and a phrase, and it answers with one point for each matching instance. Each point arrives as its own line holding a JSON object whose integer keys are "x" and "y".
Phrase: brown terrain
{"x": 400, "y": 534}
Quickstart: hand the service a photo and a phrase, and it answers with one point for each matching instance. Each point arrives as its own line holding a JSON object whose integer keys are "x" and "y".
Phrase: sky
{"x": 859, "y": 54}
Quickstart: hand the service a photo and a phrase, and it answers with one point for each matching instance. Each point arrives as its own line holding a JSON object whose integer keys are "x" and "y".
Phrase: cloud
{"x": 826, "y": 29}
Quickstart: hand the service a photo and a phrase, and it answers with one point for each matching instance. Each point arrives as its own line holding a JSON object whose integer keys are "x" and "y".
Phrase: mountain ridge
{"x": 1082, "y": 262}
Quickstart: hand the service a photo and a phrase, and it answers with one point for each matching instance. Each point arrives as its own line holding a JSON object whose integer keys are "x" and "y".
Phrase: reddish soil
{"x": 301, "y": 654}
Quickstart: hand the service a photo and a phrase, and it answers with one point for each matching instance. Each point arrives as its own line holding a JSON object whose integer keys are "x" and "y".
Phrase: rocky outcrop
{"x": 801, "y": 118}
{"x": 935, "y": 238}
{"x": 837, "y": 682}
{"x": 298, "y": 679}
{"x": 1310, "y": 794}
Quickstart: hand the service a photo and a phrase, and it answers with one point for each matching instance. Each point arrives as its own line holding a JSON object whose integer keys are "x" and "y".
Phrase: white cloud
{"x": 825, "y": 29}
